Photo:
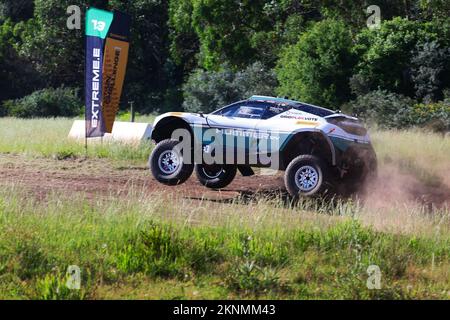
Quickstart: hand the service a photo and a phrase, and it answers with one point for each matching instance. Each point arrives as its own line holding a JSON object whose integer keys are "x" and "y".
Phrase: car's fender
{"x": 165, "y": 124}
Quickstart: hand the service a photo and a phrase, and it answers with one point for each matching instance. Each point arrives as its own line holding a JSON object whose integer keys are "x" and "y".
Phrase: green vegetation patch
{"x": 115, "y": 243}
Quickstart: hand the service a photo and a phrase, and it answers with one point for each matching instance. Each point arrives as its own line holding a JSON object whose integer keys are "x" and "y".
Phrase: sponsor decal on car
{"x": 248, "y": 134}
{"x": 307, "y": 122}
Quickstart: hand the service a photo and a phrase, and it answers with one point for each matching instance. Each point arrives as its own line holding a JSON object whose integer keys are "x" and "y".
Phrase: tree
{"x": 385, "y": 54}
{"x": 224, "y": 28}
{"x": 184, "y": 43}
{"x": 16, "y": 10}
{"x": 17, "y": 76}
{"x": 430, "y": 71}
{"x": 435, "y": 8}
{"x": 209, "y": 90}
{"x": 237, "y": 33}
{"x": 151, "y": 74}
{"x": 55, "y": 51}
{"x": 318, "y": 67}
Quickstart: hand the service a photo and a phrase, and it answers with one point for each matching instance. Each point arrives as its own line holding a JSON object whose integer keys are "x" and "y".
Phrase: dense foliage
{"x": 205, "y": 90}
{"x": 390, "y": 56}
{"x": 203, "y": 54}
{"x": 318, "y": 67}
{"x": 60, "y": 102}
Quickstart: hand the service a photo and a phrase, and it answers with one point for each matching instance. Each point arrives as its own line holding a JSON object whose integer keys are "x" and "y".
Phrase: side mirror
{"x": 201, "y": 113}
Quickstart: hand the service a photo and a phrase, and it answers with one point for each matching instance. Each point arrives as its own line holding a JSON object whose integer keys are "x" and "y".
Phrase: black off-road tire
{"x": 220, "y": 177}
{"x": 161, "y": 160}
{"x": 315, "y": 174}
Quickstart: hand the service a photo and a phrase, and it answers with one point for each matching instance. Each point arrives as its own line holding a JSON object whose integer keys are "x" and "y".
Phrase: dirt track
{"x": 101, "y": 178}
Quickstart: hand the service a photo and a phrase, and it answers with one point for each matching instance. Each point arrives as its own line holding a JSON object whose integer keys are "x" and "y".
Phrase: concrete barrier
{"x": 128, "y": 132}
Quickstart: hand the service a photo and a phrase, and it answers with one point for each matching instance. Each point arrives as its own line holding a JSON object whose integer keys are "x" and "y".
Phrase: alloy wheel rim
{"x": 306, "y": 178}
{"x": 168, "y": 162}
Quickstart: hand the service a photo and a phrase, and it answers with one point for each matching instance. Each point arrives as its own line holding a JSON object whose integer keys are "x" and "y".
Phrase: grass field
{"x": 48, "y": 138}
{"x": 169, "y": 247}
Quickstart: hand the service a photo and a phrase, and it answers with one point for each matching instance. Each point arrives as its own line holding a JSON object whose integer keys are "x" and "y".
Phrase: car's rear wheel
{"x": 167, "y": 163}
{"x": 215, "y": 176}
{"x": 307, "y": 176}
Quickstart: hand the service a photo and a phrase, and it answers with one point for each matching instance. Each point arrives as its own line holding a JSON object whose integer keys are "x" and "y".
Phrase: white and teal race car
{"x": 320, "y": 150}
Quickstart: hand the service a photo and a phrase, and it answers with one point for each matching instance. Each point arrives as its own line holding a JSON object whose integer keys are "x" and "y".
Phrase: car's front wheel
{"x": 307, "y": 176}
{"x": 167, "y": 163}
{"x": 215, "y": 176}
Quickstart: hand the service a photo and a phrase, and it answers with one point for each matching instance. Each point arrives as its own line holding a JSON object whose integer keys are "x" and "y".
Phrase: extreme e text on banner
{"x": 105, "y": 67}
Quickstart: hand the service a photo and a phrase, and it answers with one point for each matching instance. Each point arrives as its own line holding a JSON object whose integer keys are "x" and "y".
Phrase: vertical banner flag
{"x": 97, "y": 26}
{"x": 105, "y": 67}
{"x": 114, "y": 67}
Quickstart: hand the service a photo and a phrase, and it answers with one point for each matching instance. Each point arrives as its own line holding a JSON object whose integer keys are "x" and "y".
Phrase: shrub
{"x": 208, "y": 90}
{"x": 46, "y": 103}
{"x": 3, "y": 111}
{"x": 205, "y": 90}
{"x": 389, "y": 110}
{"x": 446, "y": 92}
{"x": 435, "y": 116}
{"x": 318, "y": 67}
{"x": 359, "y": 84}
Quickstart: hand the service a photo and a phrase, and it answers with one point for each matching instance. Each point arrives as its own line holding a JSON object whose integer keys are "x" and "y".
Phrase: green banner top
{"x": 98, "y": 22}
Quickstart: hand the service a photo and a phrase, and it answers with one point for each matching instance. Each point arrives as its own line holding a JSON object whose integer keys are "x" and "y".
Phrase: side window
{"x": 250, "y": 111}
{"x": 274, "y": 110}
{"x": 228, "y": 111}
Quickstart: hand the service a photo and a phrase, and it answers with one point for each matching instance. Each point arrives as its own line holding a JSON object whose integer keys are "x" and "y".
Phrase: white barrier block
{"x": 122, "y": 131}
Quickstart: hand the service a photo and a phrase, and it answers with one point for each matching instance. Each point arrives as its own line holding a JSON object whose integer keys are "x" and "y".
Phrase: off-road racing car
{"x": 320, "y": 150}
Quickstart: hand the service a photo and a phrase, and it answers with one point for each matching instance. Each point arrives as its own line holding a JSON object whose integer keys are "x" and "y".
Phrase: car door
{"x": 271, "y": 130}
{"x": 237, "y": 126}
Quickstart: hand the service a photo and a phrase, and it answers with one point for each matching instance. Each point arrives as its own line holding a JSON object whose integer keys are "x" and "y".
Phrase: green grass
{"x": 126, "y": 117}
{"x": 149, "y": 248}
{"x": 49, "y": 138}
{"x": 162, "y": 247}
